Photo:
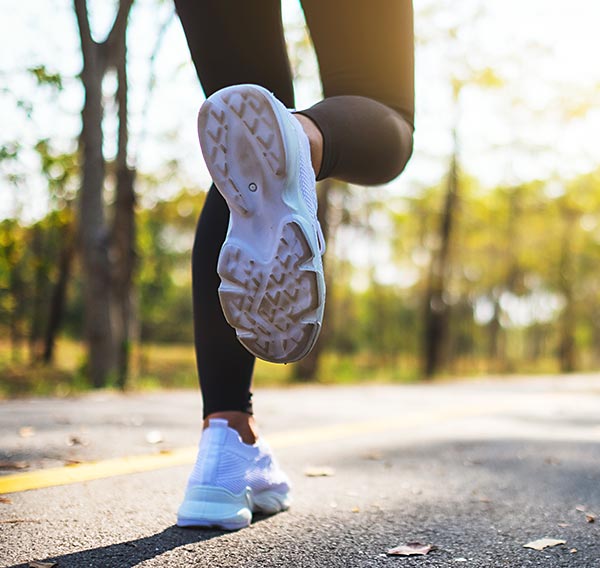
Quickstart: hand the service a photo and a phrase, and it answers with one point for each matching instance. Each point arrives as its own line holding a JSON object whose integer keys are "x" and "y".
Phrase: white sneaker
{"x": 231, "y": 480}
{"x": 272, "y": 286}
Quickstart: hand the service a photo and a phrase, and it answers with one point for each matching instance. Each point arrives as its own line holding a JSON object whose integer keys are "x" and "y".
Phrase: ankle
{"x": 243, "y": 423}
{"x": 315, "y": 139}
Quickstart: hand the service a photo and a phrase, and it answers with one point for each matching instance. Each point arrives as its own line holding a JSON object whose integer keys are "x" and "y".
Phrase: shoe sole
{"x": 272, "y": 287}
{"x": 215, "y": 507}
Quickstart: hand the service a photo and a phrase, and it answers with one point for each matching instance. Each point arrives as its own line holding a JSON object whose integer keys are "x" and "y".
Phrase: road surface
{"x": 476, "y": 469}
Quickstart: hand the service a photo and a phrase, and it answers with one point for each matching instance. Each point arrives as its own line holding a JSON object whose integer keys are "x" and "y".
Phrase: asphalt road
{"x": 476, "y": 469}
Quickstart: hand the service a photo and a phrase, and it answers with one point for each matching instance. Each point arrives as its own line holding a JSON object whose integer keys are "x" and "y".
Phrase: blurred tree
{"x": 13, "y": 248}
{"x": 124, "y": 223}
{"x": 165, "y": 236}
{"x": 61, "y": 171}
{"x": 436, "y": 308}
{"x": 94, "y": 234}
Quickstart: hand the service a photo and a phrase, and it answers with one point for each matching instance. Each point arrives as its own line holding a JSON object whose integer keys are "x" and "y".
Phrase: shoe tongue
{"x": 218, "y": 423}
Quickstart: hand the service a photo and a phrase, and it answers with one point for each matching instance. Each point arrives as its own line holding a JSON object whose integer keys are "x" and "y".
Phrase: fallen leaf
{"x": 154, "y": 437}
{"x": 13, "y": 465}
{"x": 542, "y": 543}
{"x": 573, "y": 550}
{"x": 73, "y": 440}
{"x": 580, "y": 508}
{"x": 37, "y": 564}
{"x": 5, "y": 500}
{"x": 373, "y": 456}
{"x": 590, "y": 518}
{"x": 461, "y": 559}
{"x": 355, "y": 510}
{"x": 410, "y": 549}
{"x": 320, "y": 471}
{"x": 26, "y": 431}
{"x": 72, "y": 463}
{"x": 563, "y": 525}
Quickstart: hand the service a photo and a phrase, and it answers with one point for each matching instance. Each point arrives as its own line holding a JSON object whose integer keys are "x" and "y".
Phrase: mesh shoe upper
{"x": 225, "y": 461}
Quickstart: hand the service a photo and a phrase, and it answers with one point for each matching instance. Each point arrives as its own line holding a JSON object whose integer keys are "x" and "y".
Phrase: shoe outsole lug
{"x": 272, "y": 305}
{"x": 270, "y": 292}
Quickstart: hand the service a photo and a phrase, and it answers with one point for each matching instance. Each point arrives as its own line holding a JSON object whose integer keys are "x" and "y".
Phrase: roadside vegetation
{"x": 451, "y": 273}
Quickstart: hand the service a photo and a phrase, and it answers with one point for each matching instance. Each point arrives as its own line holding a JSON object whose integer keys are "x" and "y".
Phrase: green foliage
{"x": 523, "y": 291}
{"x": 44, "y": 77}
{"x": 165, "y": 237}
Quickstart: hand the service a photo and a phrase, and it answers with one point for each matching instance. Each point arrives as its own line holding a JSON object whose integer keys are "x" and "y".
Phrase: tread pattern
{"x": 272, "y": 288}
{"x": 255, "y": 113}
{"x": 272, "y": 305}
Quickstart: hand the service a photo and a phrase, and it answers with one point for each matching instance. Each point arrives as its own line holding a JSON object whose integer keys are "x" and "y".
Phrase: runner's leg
{"x": 365, "y": 53}
{"x": 231, "y": 42}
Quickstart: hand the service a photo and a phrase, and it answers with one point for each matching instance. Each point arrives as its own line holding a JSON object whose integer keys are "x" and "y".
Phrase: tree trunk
{"x": 17, "y": 291}
{"x": 493, "y": 336}
{"x": 59, "y": 293}
{"x": 39, "y": 292}
{"x": 93, "y": 231}
{"x": 124, "y": 227}
{"x": 567, "y": 349}
{"x": 436, "y": 308}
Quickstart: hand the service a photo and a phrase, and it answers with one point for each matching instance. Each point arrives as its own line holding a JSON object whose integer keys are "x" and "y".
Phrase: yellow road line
{"x": 78, "y": 473}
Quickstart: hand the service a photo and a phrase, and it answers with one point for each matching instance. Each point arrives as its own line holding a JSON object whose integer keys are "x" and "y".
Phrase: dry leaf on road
{"x": 320, "y": 471}
{"x": 74, "y": 440}
{"x": 26, "y": 431}
{"x": 542, "y": 543}
{"x": 589, "y": 516}
{"x": 37, "y": 564}
{"x": 5, "y": 500}
{"x": 13, "y": 465}
{"x": 372, "y": 456}
{"x": 410, "y": 549}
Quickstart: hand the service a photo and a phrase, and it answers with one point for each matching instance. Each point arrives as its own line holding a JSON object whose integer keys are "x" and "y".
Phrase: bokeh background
{"x": 482, "y": 258}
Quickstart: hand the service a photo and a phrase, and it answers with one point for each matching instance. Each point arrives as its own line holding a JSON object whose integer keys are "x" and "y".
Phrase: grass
{"x": 170, "y": 366}
{"x": 156, "y": 367}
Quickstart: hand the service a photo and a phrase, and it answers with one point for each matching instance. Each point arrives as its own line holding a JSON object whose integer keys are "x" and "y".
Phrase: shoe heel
{"x": 206, "y": 506}
{"x": 271, "y": 502}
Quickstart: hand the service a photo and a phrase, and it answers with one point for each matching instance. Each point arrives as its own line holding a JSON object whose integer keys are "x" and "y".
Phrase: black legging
{"x": 365, "y": 54}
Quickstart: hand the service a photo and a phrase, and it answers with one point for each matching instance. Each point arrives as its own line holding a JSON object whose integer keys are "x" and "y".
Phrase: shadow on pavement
{"x": 131, "y": 553}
